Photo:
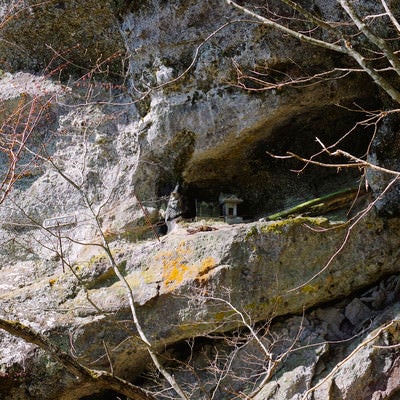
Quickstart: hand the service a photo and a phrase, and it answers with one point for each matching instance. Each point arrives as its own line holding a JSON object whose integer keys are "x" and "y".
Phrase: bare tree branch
{"x": 99, "y": 379}
{"x": 352, "y": 223}
{"x": 298, "y": 35}
{"x": 391, "y": 16}
{"x": 128, "y": 290}
{"x": 379, "y": 42}
{"x": 372, "y": 337}
{"x": 345, "y": 48}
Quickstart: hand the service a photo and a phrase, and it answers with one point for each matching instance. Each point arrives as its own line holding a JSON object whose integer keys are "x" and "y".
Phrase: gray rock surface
{"x": 384, "y": 153}
{"x": 181, "y": 281}
{"x": 114, "y": 138}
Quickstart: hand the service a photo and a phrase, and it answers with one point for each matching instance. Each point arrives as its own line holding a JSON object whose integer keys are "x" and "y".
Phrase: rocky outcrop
{"x": 201, "y": 130}
{"x": 223, "y": 126}
{"x": 47, "y": 36}
{"x": 113, "y": 134}
{"x": 181, "y": 285}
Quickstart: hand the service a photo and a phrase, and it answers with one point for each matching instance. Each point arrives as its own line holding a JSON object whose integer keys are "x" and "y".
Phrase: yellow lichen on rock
{"x": 177, "y": 269}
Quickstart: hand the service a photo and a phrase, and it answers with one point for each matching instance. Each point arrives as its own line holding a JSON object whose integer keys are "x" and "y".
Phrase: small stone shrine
{"x": 229, "y": 203}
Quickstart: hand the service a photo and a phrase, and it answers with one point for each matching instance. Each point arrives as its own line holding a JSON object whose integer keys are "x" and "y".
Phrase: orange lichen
{"x": 206, "y": 266}
{"x": 176, "y": 269}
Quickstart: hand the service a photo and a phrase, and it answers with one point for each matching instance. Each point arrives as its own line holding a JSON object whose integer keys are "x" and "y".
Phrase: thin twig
{"x": 349, "y": 357}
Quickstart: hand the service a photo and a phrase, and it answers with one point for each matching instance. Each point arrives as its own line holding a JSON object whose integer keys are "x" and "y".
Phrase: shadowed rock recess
{"x": 113, "y": 133}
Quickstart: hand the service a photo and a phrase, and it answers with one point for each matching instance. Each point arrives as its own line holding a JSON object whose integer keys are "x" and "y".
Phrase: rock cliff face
{"x": 123, "y": 102}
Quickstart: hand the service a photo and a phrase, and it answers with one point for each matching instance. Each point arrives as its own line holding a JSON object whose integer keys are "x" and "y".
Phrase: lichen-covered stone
{"x": 57, "y": 38}
{"x": 178, "y": 281}
{"x": 112, "y": 156}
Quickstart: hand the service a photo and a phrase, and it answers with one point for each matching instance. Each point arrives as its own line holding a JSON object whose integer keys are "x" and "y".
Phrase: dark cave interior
{"x": 268, "y": 184}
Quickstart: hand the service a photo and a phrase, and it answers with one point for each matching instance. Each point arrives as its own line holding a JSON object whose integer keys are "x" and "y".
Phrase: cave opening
{"x": 268, "y": 184}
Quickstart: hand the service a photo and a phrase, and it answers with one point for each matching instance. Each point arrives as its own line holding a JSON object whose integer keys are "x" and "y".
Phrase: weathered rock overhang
{"x": 243, "y": 163}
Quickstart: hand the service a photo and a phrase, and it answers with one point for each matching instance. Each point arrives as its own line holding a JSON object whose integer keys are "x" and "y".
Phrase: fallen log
{"x": 321, "y": 205}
